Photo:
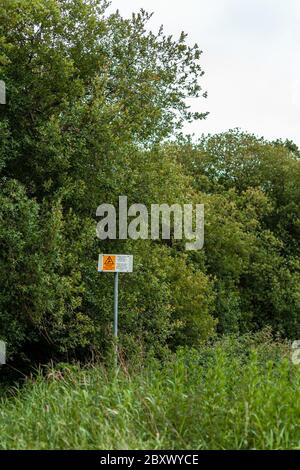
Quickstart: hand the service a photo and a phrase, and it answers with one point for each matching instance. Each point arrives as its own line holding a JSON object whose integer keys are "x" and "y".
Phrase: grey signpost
{"x": 2, "y": 92}
{"x": 2, "y": 352}
{"x": 115, "y": 264}
{"x": 116, "y": 312}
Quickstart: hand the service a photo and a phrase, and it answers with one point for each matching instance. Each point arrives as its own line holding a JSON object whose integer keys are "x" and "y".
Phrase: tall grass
{"x": 228, "y": 396}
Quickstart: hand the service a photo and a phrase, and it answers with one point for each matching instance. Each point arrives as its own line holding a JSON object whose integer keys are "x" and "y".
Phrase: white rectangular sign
{"x": 115, "y": 263}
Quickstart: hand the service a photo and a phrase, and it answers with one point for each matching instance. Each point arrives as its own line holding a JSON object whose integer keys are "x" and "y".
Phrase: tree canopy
{"x": 95, "y": 105}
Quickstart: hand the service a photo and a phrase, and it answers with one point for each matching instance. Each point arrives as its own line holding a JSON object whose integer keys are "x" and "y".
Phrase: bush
{"x": 40, "y": 286}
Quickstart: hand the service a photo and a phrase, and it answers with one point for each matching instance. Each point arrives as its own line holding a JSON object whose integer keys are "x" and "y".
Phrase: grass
{"x": 230, "y": 396}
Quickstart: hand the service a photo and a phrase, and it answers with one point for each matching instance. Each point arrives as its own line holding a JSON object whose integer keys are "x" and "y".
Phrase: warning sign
{"x": 115, "y": 263}
{"x": 109, "y": 263}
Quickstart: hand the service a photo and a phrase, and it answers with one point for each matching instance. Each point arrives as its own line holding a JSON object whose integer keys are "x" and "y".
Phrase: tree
{"x": 88, "y": 95}
{"x": 251, "y": 188}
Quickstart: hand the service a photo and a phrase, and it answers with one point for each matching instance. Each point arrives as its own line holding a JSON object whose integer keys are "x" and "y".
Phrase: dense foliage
{"x": 235, "y": 395}
{"x": 252, "y": 230}
{"x": 92, "y": 102}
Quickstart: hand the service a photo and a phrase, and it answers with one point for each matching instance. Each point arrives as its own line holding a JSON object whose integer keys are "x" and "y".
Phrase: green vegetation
{"x": 239, "y": 394}
{"x": 95, "y": 108}
{"x": 95, "y": 105}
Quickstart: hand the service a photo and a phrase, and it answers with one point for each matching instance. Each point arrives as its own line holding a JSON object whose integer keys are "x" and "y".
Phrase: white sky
{"x": 250, "y": 57}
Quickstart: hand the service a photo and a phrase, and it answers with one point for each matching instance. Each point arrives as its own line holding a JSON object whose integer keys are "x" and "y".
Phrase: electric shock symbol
{"x": 109, "y": 263}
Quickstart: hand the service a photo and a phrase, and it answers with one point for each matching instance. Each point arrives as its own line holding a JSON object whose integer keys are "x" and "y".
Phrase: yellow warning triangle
{"x": 109, "y": 261}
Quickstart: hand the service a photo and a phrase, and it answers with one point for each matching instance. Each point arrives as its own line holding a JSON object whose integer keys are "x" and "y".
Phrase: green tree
{"x": 88, "y": 97}
{"x": 251, "y": 189}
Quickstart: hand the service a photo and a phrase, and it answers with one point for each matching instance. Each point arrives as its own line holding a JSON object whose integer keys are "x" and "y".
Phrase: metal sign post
{"x": 115, "y": 264}
{"x": 116, "y": 314}
{"x": 2, "y": 92}
{"x": 2, "y": 352}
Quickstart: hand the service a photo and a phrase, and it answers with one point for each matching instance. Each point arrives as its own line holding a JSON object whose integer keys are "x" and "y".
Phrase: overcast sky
{"x": 250, "y": 57}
